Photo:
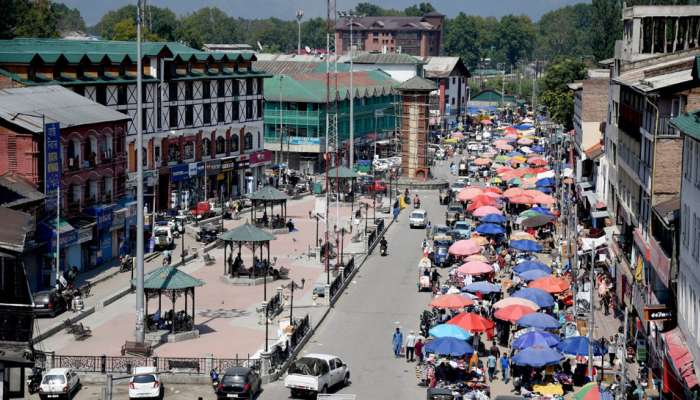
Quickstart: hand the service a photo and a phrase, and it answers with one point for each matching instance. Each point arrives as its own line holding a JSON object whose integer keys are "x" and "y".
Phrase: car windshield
{"x": 416, "y": 214}
{"x": 54, "y": 379}
{"x": 442, "y": 250}
{"x": 234, "y": 379}
{"x": 144, "y": 379}
{"x": 161, "y": 233}
{"x": 308, "y": 366}
{"x": 461, "y": 225}
{"x": 456, "y": 209}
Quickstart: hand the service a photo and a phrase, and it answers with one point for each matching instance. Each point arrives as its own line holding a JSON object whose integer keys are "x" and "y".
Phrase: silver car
{"x": 418, "y": 218}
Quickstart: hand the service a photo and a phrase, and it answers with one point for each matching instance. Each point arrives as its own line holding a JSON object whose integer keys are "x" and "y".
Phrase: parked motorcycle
{"x": 126, "y": 263}
{"x": 383, "y": 247}
{"x": 34, "y": 380}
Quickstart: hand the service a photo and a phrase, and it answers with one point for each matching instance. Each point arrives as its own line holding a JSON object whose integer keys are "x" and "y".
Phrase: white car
{"x": 163, "y": 236}
{"x": 145, "y": 384}
{"x": 418, "y": 219}
{"x": 316, "y": 373}
{"x": 59, "y": 383}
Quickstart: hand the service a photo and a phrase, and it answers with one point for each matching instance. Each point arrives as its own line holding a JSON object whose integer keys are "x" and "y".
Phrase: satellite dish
{"x": 260, "y": 46}
{"x": 307, "y": 49}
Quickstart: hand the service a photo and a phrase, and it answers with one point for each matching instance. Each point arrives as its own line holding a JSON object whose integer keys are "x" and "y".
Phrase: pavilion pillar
{"x": 186, "y": 290}
{"x": 172, "y": 320}
{"x": 192, "y": 308}
{"x": 253, "y": 266}
{"x": 225, "y": 260}
{"x": 264, "y": 272}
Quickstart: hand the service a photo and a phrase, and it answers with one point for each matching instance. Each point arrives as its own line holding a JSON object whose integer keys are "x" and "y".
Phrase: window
{"x": 121, "y": 95}
{"x": 206, "y": 113}
{"x": 189, "y": 115}
{"x": 220, "y": 145}
{"x": 696, "y": 163}
{"x": 684, "y": 226}
{"x": 686, "y": 157}
{"x": 696, "y": 229}
{"x": 248, "y": 145}
{"x": 188, "y": 150}
{"x": 233, "y": 143}
{"x": 174, "y": 151}
{"x": 172, "y": 91}
{"x": 260, "y": 108}
{"x": 234, "y": 108}
{"x": 101, "y": 94}
{"x": 206, "y": 147}
{"x": 220, "y": 88}
{"x": 248, "y": 110}
{"x": 173, "y": 117}
{"x": 236, "y": 87}
{"x": 220, "y": 112}
{"x": 677, "y": 106}
{"x": 188, "y": 90}
{"x": 206, "y": 89}
{"x": 248, "y": 87}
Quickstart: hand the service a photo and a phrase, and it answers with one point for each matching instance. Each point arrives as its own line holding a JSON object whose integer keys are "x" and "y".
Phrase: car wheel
{"x": 346, "y": 380}
{"x": 324, "y": 389}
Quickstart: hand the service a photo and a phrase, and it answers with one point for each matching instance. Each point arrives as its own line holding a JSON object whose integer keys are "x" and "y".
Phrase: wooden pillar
{"x": 253, "y": 265}
{"x": 686, "y": 44}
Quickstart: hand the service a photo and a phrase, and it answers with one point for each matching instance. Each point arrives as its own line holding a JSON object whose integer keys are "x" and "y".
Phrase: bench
{"x": 136, "y": 348}
{"x": 208, "y": 259}
{"x": 184, "y": 364}
{"x": 81, "y": 332}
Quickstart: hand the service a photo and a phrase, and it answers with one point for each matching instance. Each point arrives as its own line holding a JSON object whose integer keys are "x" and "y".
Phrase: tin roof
{"x": 387, "y": 23}
{"x": 311, "y": 87}
{"x": 418, "y": 84}
{"x": 15, "y": 191}
{"x": 442, "y": 67}
{"x": 386, "y": 58}
{"x": 688, "y": 123}
{"x": 17, "y": 225}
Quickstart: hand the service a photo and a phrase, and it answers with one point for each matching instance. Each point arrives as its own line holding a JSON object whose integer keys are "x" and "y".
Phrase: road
{"x": 383, "y": 296}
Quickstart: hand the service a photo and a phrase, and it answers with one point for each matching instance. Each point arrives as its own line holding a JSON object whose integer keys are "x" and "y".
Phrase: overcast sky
{"x": 92, "y": 10}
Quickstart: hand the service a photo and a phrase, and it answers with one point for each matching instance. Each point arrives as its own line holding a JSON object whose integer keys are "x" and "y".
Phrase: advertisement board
{"x": 52, "y": 163}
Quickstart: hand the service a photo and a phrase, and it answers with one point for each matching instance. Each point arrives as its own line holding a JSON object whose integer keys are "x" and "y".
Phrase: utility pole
{"x": 300, "y": 15}
{"x": 623, "y": 384}
{"x": 591, "y": 277}
{"x": 140, "y": 333}
{"x": 280, "y": 154}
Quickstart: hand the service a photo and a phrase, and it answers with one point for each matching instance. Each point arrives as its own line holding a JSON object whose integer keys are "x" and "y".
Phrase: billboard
{"x": 52, "y": 163}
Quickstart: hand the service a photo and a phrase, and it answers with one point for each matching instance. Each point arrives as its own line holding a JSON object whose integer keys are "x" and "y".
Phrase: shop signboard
{"x": 118, "y": 219}
{"x": 263, "y": 157}
{"x": 228, "y": 164}
{"x": 658, "y": 312}
{"x": 85, "y": 234}
{"x": 196, "y": 169}
{"x": 304, "y": 141}
{"x": 52, "y": 163}
{"x": 212, "y": 167}
{"x": 103, "y": 215}
{"x": 179, "y": 173}
{"x": 242, "y": 164}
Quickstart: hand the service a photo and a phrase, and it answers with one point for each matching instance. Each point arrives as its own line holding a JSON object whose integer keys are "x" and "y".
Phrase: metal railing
{"x": 349, "y": 267}
{"x": 336, "y": 284}
{"x": 279, "y": 355}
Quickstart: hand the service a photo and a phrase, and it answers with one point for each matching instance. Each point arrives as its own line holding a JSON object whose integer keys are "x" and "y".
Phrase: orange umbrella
{"x": 478, "y": 257}
{"x": 481, "y": 241}
{"x": 468, "y": 193}
{"x": 451, "y": 301}
{"x": 482, "y": 161}
{"x": 484, "y": 201}
{"x": 508, "y": 301}
{"x": 475, "y": 268}
{"x": 485, "y": 198}
{"x": 513, "y": 312}
{"x": 472, "y": 322}
{"x": 538, "y": 162}
{"x": 512, "y": 192}
{"x": 550, "y": 284}
{"x": 464, "y": 248}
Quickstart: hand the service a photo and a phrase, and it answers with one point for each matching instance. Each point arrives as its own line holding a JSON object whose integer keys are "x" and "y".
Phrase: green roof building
{"x": 492, "y": 98}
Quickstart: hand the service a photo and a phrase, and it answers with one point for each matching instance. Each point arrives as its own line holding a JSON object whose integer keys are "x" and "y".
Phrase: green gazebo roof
{"x": 343, "y": 173}
{"x": 418, "y": 84}
{"x": 246, "y": 233}
{"x": 169, "y": 278}
{"x": 268, "y": 193}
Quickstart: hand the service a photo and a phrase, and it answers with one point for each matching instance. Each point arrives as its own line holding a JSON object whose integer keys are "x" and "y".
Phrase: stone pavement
{"x": 224, "y": 312}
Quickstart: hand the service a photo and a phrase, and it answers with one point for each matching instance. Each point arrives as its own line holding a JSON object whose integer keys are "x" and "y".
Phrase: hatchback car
{"x": 145, "y": 384}
{"x": 48, "y": 303}
{"x": 418, "y": 219}
{"x": 239, "y": 383}
{"x": 59, "y": 383}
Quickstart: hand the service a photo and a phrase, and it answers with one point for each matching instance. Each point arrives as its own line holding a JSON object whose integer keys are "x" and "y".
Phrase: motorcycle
{"x": 34, "y": 380}
{"x": 382, "y": 249}
{"x": 126, "y": 264}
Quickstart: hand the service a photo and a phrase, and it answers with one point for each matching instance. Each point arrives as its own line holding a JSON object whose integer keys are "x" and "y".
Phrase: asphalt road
{"x": 383, "y": 296}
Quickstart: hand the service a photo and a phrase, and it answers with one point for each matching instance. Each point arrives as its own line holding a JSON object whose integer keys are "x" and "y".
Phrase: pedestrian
{"x": 505, "y": 366}
{"x": 410, "y": 346}
{"x": 396, "y": 342}
{"x": 419, "y": 350}
{"x": 612, "y": 349}
{"x": 491, "y": 365}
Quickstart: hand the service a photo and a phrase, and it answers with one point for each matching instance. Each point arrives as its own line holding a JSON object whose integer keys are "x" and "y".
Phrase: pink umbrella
{"x": 543, "y": 198}
{"x": 492, "y": 195}
{"x": 468, "y": 193}
{"x": 457, "y": 135}
{"x": 537, "y": 162}
{"x": 482, "y": 161}
{"x": 486, "y": 122}
{"x": 476, "y": 257}
{"x": 525, "y": 141}
{"x": 504, "y": 169}
{"x": 512, "y": 192}
{"x": 522, "y": 199}
{"x": 486, "y": 210}
{"x": 465, "y": 247}
{"x": 504, "y": 146}
{"x": 475, "y": 268}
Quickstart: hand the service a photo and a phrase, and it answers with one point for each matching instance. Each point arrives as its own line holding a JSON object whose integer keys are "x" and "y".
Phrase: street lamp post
{"x": 292, "y": 285}
{"x": 350, "y": 16}
{"x": 182, "y": 242}
{"x": 300, "y": 15}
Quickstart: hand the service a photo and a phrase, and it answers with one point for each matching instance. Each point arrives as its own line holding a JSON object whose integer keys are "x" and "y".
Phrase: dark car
{"x": 49, "y": 303}
{"x": 208, "y": 233}
{"x": 441, "y": 255}
{"x": 239, "y": 383}
{"x": 454, "y": 213}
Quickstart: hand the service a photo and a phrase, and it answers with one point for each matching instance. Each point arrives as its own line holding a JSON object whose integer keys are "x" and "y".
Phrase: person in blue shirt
{"x": 397, "y": 342}
{"x": 505, "y": 366}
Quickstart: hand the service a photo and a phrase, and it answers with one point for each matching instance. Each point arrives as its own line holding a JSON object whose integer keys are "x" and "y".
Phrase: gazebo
{"x": 268, "y": 195}
{"x": 246, "y": 234}
{"x": 173, "y": 283}
{"x": 343, "y": 174}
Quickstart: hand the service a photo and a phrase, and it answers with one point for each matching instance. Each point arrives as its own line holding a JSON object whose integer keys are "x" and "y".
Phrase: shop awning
{"x": 47, "y": 232}
{"x": 682, "y": 358}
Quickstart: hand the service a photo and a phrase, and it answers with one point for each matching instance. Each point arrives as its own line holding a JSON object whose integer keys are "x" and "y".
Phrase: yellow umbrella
{"x": 519, "y": 159}
{"x": 548, "y": 390}
{"x": 450, "y": 140}
{"x": 480, "y": 240}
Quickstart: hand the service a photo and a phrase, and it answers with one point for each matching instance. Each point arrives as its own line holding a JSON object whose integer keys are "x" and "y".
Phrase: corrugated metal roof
{"x": 386, "y": 58}
{"x": 688, "y": 123}
{"x": 56, "y": 103}
{"x": 386, "y": 23}
{"x": 15, "y": 191}
{"x": 442, "y": 67}
{"x": 667, "y": 72}
{"x": 311, "y": 87}
{"x": 418, "y": 83}
{"x": 16, "y": 226}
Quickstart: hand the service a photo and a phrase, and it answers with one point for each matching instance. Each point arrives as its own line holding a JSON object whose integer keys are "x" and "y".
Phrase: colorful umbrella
{"x": 546, "y": 182}
{"x": 518, "y": 159}
{"x": 464, "y": 248}
{"x": 492, "y": 189}
{"x": 481, "y": 241}
{"x": 501, "y": 170}
{"x": 538, "y": 149}
{"x": 550, "y": 284}
{"x": 578, "y": 346}
{"x": 447, "y": 330}
{"x": 451, "y": 301}
{"x": 448, "y": 346}
{"x": 496, "y": 180}
{"x": 468, "y": 193}
{"x": 483, "y": 201}
{"x": 537, "y": 220}
{"x": 512, "y": 192}
{"x": 537, "y": 356}
{"x": 539, "y": 320}
{"x": 504, "y": 146}
{"x": 483, "y": 287}
{"x": 525, "y": 245}
{"x": 490, "y": 229}
{"x": 525, "y": 141}
{"x": 477, "y": 257}
{"x": 533, "y": 274}
{"x": 591, "y": 391}
{"x": 492, "y": 195}
{"x": 538, "y": 296}
{"x": 508, "y": 301}
{"x": 550, "y": 389}
{"x": 535, "y": 338}
{"x": 502, "y": 158}
{"x": 457, "y": 135}
{"x": 520, "y": 235}
{"x": 522, "y": 199}
{"x": 530, "y": 265}
{"x": 472, "y": 322}
{"x": 513, "y": 312}
{"x": 486, "y": 122}
{"x": 475, "y": 268}
{"x": 486, "y": 210}
{"x": 488, "y": 199}
{"x": 494, "y": 219}
{"x": 537, "y": 162}
{"x": 481, "y": 161}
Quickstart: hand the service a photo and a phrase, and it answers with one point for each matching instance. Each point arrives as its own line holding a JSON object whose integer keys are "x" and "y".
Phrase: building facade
{"x": 451, "y": 76}
{"x": 417, "y": 36}
{"x": 202, "y": 112}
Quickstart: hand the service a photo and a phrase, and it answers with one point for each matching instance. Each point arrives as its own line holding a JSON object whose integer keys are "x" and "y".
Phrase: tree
{"x": 124, "y": 30}
{"x": 372, "y": 10}
{"x": 606, "y": 27}
{"x": 313, "y": 33}
{"x": 565, "y": 32}
{"x": 515, "y": 37}
{"x": 12, "y": 12}
{"x": 555, "y": 92}
{"x": 159, "y": 23}
{"x": 464, "y": 37}
{"x": 38, "y": 20}
{"x": 207, "y": 25}
{"x": 69, "y": 19}
{"x": 419, "y": 10}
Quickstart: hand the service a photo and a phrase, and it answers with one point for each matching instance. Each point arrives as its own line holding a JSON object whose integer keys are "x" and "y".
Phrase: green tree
{"x": 515, "y": 37}
{"x": 124, "y": 30}
{"x": 419, "y": 10}
{"x": 38, "y": 20}
{"x": 69, "y": 19}
{"x": 313, "y": 33}
{"x": 565, "y": 32}
{"x": 207, "y": 25}
{"x": 372, "y": 10}
{"x": 464, "y": 37}
{"x": 606, "y": 27}
{"x": 555, "y": 93}
{"x": 159, "y": 24}
{"x": 12, "y": 12}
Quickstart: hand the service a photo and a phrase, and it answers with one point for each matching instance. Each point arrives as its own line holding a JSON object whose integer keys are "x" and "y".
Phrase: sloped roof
{"x": 268, "y": 193}
{"x": 170, "y": 278}
{"x": 247, "y": 233}
{"x": 15, "y": 191}
{"x": 688, "y": 123}
{"x": 56, "y": 103}
{"x": 311, "y": 87}
{"x": 442, "y": 67}
{"x": 667, "y": 71}
{"x": 16, "y": 226}
{"x": 594, "y": 151}
{"x": 392, "y": 23}
{"x": 386, "y": 58}
{"x": 418, "y": 84}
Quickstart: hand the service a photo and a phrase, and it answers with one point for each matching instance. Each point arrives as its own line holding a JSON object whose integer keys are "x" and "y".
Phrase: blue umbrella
{"x": 535, "y": 338}
{"x": 537, "y": 149}
{"x": 526, "y": 245}
{"x": 530, "y": 265}
{"x": 542, "y": 210}
{"x": 538, "y": 320}
{"x": 483, "y": 287}
{"x": 493, "y": 219}
{"x": 544, "y": 189}
{"x": 523, "y": 127}
{"x": 545, "y": 182}
{"x": 449, "y": 330}
{"x": 538, "y": 296}
{"x": 514, "y": 153}
{"x": 578, "y": 346}
{"x": 533, "y": 274}
{"x": 537, "y": 356}
{"x": 449, "y": 346}
{"x": 490, "y": 229}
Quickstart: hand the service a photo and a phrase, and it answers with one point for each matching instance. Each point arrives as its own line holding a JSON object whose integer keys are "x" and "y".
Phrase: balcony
{"x": 665, "y": 128}
{"x": 630, "y": 120}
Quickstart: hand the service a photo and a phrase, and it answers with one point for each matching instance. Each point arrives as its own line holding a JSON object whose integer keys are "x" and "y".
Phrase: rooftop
{"x": 386, "y": 58}
{"x": 15, "y": 191}
{"x": 688, "y": 123}
{"x": 660, "y": 11}
{"x": 17, "y": 225}
{"x": 442, "y": 67}
{"x": 56, "y": 104}
{"x": 391, "y": 23}
{"x": 668, "y": 72}
{"x": 418, "y": 84}
{"x": 311, "y": 87}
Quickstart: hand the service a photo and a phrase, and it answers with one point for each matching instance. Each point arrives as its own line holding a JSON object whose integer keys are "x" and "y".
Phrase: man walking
{"x": 410, "y": 345}
{"x": 505, "y": 366}
{"x": 491, "y": 365}
{"x": 419, "y": 350}
{"x": 396, "y": 342}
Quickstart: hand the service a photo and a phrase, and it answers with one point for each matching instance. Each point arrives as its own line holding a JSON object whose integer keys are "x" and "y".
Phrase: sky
{"x": 285, "y": 9}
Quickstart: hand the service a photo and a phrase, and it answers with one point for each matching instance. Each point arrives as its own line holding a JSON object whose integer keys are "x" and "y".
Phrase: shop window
{"x": 206, "y": 147}
{"x": 188, "y": 149}
{"x": 248, "y": 142}
{"x": 233, "y": 143}
{"x": 220, "y": 145}
{"x": 174, "y": 152}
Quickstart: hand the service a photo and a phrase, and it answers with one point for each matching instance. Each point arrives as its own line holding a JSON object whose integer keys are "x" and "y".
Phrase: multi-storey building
{"x": 202, "y": 112}
{"x": 417, "y": 36}
{"x": 451, "y": 76}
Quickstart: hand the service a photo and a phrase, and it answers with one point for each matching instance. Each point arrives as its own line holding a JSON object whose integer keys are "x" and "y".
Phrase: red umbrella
{"x": 512, "y": 192}
{"x": 550, "y": 284}
{"x": 475, "y": 268}
{"x": 472, "y": 322}
{"x": 484, "y": 201}
{"x": 537, "y": 162}
{"x": 511, "y": 129}
{"x": 468, "y": 193}
{"x": 513, "y": 312}
{"x": 464, "y": 248}
{"x": 485, "y": 198}
{"x": 492, "y": 189}
{"x": 522, "y": 199}
{"x": 451, "y": 301}
{"x": 504, "y": 169}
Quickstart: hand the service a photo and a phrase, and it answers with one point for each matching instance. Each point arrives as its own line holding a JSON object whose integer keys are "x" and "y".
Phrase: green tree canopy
{"x": 208, "y": 25}
{"x": 418, "y": 10}
{"x": 555, "y": 92}
{"x": 606, "y": 27}
{"x": 565, "y": 32}
{"x": 68, "y": 19}
{"x": 515, "y": 37}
